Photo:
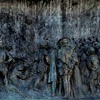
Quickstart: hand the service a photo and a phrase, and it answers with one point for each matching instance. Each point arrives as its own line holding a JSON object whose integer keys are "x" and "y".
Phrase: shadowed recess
{"x": 30, "y": 2}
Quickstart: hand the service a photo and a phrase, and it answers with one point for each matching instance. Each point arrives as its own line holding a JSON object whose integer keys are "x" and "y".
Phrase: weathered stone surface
{"x": 51, "y": 49}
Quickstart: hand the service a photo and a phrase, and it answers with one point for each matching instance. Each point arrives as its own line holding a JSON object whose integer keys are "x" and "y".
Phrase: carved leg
{"x": 77, "y": 83}
{"x": 92, "y": 77}
{"x": 49, "y": 88}
{"x": 67, "y": 86}
{"x": 5, "y": 79}
{"x": 53, "y": 88}
{"x": 69, "y": 83}
{"x": 37, "y": 82}
{"x": 60, "y": 86}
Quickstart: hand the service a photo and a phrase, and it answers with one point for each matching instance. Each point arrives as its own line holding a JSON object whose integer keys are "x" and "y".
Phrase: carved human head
{"x": 91, "y": 50}
{"x": 28, "y": 20}
{"x": 63, "y": 42}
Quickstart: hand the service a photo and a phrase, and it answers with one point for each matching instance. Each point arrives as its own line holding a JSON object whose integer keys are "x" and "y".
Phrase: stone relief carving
{"x": 67, "y": 67}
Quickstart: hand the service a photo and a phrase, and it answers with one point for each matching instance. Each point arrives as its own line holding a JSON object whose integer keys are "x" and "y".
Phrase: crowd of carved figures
{"x": 69, "y": 67}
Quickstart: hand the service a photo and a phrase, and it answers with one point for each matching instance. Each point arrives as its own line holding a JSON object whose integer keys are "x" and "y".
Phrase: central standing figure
{"x": 65, "y": 64}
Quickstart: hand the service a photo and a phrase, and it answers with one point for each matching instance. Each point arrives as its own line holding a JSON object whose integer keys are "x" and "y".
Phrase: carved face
{"x": 63, "y": 42}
